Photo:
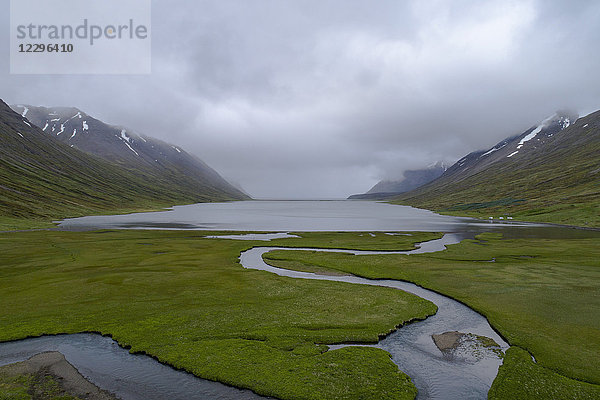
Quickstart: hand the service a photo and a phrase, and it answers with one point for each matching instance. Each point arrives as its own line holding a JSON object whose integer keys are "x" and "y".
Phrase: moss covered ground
{"x": 540, "y": 294}
{"x": 186, "y": 300}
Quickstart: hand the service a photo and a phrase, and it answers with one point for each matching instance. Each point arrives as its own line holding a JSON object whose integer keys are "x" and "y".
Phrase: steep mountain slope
{"x": 548, "y": 173}
{"x": 513, "y": 148}
{"x": 40, "y": 177}
{"x": 128, "y": 149}
{"x": 412, "y": 179}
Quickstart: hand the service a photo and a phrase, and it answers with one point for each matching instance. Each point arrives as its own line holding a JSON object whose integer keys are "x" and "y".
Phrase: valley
{"x": 43, "y": 179}
{"x": 180, "y": 296}
{"x": 300, "y": 200}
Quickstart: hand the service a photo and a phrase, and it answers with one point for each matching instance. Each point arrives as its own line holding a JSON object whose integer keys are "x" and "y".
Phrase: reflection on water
{"x": 280, "y": 216}
{"x": 265, "y": 237}
{"x": 306, "y": 216}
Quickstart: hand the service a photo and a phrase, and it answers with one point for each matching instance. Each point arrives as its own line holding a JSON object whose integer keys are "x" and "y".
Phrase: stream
{"x": 465, "y": 374}
{"x": 129, "y": 376}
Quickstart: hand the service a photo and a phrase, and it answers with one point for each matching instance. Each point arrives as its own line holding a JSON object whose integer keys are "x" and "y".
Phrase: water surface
{"x": 279, "y": 216}
{"x": 307, "y": 216}
{"x": 130, "y": 376}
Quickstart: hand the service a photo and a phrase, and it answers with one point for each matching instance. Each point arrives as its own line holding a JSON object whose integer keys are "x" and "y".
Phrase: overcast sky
{"x": 323, "y": 98}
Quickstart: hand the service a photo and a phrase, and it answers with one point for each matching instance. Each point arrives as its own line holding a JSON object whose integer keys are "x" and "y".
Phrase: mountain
{"x": 124, "y": 147}
{"x": 549, "y": 173}
{"x": 520, "y": 147}
{"x": 42, "y": 178}
{"x": 412, "y": 179}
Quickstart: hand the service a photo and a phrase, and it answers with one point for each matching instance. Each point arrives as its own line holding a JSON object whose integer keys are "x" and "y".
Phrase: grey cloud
{"x": 324, "y": 98}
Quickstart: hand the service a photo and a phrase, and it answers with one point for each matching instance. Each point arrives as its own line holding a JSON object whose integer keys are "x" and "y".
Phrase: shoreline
{"x": 50, "y": 372}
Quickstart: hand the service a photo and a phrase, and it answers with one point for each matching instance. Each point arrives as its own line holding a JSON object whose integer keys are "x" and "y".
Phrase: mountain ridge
{"x": 544, "y": 174}
{"x": 125, "y": 147}
{"x": 412, "y": 179}
{"x": 42, "y": 178}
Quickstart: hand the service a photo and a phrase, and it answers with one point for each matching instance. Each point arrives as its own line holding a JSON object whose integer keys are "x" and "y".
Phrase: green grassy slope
{"x": 126, "y": 149}
{"x": 41, "y": 178}
{"x": 188, "y": 302}
{"x": 542, "y": 295}
{"x": 558, "y": 182}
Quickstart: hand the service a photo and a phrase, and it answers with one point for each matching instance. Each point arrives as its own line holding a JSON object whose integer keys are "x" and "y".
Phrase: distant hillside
{"x": 42, "y": 178}
{"x": 550, "y": 173}
{"x": 124, "y": 147}
{"x": 412, "y": 179}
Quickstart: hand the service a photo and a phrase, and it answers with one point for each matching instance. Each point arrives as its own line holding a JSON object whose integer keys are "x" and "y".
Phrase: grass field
{"x": 520, "y": 378}
{"x": 14, "y": 224}
{"x": 187, "y": 301}
{"x": 357, "y": 240}
{"x": 542, "y": 295}
{"x": 575, "y": 214}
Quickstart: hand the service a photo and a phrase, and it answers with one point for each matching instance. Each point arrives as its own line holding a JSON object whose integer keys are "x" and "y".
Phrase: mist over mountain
{"x": 313, "y": 99}
{"x": 411, "y": 179}
{"x": 42, "y": 177}
{"x": 549, "y": 172}
{"x": 127, "y": 148}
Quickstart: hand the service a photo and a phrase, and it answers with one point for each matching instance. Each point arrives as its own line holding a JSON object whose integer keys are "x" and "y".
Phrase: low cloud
{"x": 322, "y": 99}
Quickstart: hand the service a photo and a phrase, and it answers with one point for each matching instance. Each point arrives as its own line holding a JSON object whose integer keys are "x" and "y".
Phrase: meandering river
{"x": 437, "y": 375}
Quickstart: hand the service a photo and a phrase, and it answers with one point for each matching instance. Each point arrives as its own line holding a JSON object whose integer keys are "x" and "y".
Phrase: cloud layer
{"x": 321, "y": 99}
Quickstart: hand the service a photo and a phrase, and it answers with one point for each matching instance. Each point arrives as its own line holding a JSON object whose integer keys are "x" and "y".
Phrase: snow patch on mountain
{"x": 492, "y": 150}
{"x": 124, "y": 136}
{"x": 130, "y": 148}
{"x": 126, "y": 140}
{"x": 78, "y": 115}
{"x": 530, "y": 136}
{"x": 562, "y": 122}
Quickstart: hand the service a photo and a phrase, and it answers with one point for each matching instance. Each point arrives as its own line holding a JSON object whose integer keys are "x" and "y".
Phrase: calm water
{"x": 305, "y": 216}
{"x": 279, "y": 216}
